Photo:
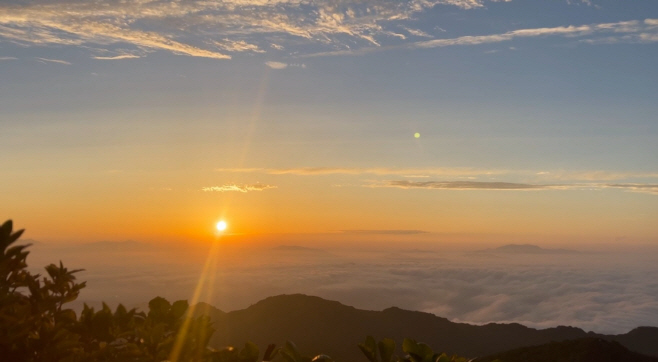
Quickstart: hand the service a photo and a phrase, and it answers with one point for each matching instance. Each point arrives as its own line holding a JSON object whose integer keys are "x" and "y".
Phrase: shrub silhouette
{"x": 384, "y": 351}
{"x": 35, "y": 325}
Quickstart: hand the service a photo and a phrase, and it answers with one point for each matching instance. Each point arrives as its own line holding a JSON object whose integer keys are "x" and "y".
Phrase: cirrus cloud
{"x": 302, "y": 27}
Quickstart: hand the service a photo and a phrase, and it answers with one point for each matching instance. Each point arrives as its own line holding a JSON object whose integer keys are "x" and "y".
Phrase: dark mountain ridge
{"x": 579, "y": 350}
{"x": 318, "y": 326}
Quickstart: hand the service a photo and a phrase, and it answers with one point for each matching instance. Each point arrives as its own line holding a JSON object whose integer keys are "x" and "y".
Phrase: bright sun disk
{"x": 221, "y": 226}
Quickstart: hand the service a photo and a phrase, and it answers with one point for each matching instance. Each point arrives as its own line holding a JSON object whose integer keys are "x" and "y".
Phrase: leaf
{"x": 370, "y": 355}
{"x": 426, "y": 353}
{"x": 291, "y": 353}
{"x": 386, "y": 349}
{"x": 419, "y": 352}
{"x": 369, "y": 348}
{"x": 409, "y": 345}
{"x": 270, "y": 353}
{"x": 178, "y": 309}
{"x": 159, "y": 304}
{"x": 66, "y": 316}
{"x": 249, "y": 353}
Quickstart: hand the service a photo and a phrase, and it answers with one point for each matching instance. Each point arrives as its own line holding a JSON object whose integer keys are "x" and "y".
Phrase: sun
{"x": 221, "y": 226}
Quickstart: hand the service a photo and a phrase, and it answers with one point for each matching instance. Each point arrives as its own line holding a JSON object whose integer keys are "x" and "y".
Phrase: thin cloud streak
{"x": 276, "y": 65}
{"x": 643, "y": 188}
{"x": 238, "y": 188}
{"x": 457, "y": 172}
{"x": 468, "y": 185}
{"x": 636, "y": 31}
{"x": 118, "y": 57}
{"x": 510, "y": 186}
{"x": 58, "y": 61}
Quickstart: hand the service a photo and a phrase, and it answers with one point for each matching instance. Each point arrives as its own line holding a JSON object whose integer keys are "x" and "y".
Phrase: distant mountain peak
{"x": 526, "y": 249}
{"x": 288, "y": 301}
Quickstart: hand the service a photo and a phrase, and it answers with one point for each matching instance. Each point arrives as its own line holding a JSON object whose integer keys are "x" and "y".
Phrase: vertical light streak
{"x": 204, "y": 286}
{"x": 255, "y": 117}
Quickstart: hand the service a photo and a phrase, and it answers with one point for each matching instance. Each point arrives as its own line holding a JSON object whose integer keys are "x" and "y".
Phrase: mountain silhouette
{"x": 319, "y": 326}
{"x": 526, "y": 249}
{"x": 579, "y": 350}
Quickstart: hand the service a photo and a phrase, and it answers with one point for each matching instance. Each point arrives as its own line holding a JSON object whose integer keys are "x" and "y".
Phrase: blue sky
{"x": 292, "y": 99}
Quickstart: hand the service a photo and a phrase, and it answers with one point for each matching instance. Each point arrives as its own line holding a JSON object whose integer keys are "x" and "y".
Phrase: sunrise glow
{"x": 377, "y": 152}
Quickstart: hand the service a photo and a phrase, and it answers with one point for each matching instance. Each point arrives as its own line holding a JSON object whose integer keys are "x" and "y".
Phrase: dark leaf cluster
{"x": 384, "y": 351}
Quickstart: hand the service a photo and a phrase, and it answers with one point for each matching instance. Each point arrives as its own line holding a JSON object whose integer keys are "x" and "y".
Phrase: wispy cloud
{"x": 232, "y": 26}
{"x": 58, "y": 61}
{"x": 634, "y": 31}
{"x": 238, "y": 188}
{"x": 644, "y": 188}
{"x": 417, "y": 32}
{"x": 596, "y": 175}
{"x": 118, "y": 57}
{"x": 216, "y": 29}
{"x": 8, "y": 58}
{"x": 467, "y": 185}
{"x": 277, "y": 65}
{"x": 238, "y": 46}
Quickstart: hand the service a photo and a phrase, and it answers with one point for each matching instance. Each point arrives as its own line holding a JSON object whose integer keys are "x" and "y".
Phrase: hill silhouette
{"x": 580, "y": 350}
{"x": 526, "y": 249}
{"x": 317, "y": 326}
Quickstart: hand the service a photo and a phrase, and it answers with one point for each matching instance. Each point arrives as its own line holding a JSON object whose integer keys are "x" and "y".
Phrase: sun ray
{"x": 204, "y": 287}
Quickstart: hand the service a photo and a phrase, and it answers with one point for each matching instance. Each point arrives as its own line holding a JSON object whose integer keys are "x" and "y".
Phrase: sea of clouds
{"x": 606, "y": 292}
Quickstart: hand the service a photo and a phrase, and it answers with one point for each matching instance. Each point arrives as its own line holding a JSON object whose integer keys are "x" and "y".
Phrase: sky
{"x": 466, "y": 120}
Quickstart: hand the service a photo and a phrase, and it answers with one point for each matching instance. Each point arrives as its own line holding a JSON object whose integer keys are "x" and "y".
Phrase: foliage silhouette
{"x": 35, "y": 325}
{"x": 384, "y": 351}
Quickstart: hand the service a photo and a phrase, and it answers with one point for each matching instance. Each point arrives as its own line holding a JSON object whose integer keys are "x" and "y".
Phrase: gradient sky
{"x": 152, "y": 119}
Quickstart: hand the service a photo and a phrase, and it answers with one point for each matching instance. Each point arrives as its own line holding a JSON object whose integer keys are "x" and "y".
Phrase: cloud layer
{"x": 609, "y": 293}
{"x": 285, "y": 28}
{"x": 513, "y": 186}
{"x": 466, "y": 185}
{"x": 552, "y": 180}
